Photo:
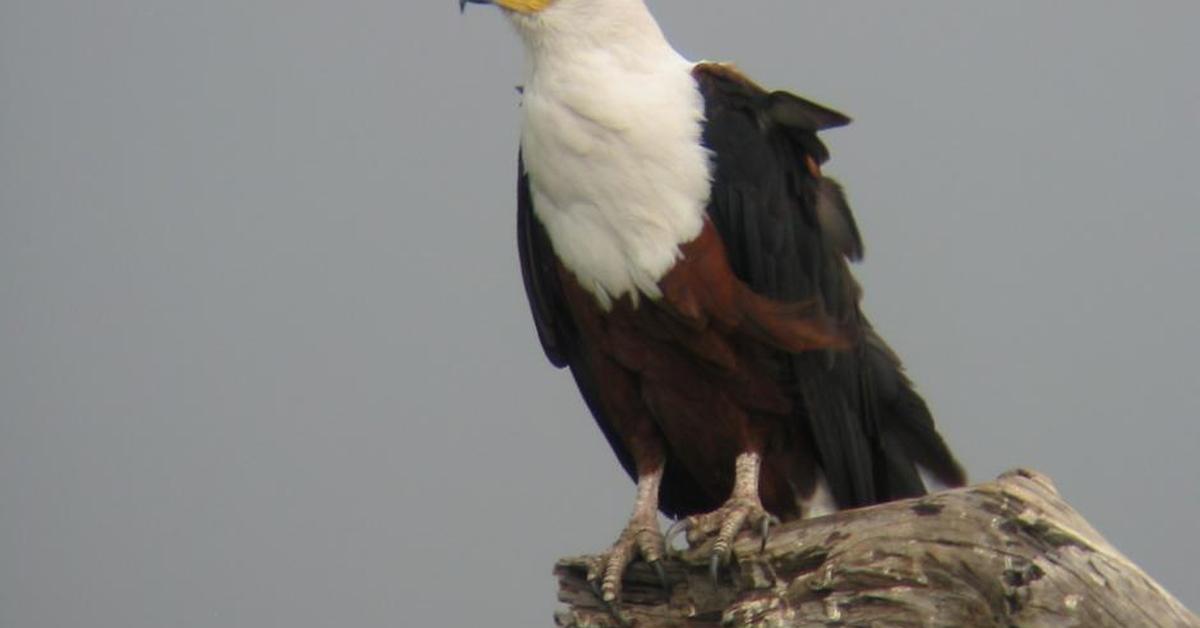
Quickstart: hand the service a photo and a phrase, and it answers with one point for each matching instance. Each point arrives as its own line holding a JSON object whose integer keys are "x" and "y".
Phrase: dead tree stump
{"x": 1006, "y": 553}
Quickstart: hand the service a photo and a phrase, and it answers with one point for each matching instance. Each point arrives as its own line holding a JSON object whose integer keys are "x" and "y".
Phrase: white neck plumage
{"x": 581, "y": 24}
{"x": 611, "y": 141}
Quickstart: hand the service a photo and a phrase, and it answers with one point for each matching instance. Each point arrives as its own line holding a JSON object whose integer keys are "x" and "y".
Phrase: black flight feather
{"x": 790, "y": 234}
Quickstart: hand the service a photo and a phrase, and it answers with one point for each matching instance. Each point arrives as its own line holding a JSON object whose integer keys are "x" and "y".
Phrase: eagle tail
{"x": 907, "y": 442}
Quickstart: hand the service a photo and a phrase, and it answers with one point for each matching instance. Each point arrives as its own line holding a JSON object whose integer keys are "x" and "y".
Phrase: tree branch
{"x": 1005, "y": 553}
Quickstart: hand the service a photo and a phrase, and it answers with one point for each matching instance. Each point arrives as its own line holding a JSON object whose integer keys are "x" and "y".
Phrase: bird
{"x": 687, "y": 259}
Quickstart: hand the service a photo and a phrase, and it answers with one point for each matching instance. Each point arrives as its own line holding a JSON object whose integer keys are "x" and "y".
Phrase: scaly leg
{"x": 641, "y": 537}
{"x": 743, "y": 509}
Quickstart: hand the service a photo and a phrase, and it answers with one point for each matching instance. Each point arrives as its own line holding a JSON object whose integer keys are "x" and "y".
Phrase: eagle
{"x": 687, "y": 260}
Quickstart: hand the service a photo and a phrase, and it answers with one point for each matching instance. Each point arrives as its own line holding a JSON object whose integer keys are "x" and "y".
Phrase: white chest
{"x": 617, "y": 172}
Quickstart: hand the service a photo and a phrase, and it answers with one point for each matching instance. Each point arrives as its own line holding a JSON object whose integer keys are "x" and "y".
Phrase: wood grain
{"x": 1006, "y": 553}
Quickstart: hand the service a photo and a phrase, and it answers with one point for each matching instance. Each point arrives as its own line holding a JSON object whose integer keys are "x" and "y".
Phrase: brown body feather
{"x": 692, "y": 375}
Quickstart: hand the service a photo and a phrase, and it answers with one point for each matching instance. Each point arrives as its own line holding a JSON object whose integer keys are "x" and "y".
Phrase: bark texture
{"x": 1006, "y": 553}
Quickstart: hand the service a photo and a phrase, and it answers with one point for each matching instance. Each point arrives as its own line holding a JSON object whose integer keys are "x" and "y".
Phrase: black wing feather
{"x": 789, "y": 234}
{"x": 539, "y": 273}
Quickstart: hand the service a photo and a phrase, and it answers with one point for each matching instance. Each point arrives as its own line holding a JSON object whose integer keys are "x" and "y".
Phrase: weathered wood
{"x": 1005, "y": 553}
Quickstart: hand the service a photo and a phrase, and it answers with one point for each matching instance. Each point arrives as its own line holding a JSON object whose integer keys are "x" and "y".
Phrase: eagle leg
{"x": 743, "y": 510}
{"x": 641, "y": 537}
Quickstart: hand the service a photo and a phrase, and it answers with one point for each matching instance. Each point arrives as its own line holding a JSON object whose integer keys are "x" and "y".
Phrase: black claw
{"x": 766, "y": 529}
{"x": 714, "y": 569}
{"x": 597, "y": 590}
{"x": 662, "y": 576}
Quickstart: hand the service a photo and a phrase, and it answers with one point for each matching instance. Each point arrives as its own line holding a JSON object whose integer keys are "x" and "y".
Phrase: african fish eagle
{"x": 685, "y": 257}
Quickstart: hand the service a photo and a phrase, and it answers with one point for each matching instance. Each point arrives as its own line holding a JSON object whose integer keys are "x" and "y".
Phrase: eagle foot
{"x": 723, "y": 526}
{"x": 640, "y": 538}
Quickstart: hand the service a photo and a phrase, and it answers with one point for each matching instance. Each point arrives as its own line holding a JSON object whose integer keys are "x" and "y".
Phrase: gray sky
{"x": 265, "y": 359}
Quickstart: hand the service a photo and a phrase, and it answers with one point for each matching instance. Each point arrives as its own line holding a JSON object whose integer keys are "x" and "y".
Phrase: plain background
{"x": 265, "y": 359}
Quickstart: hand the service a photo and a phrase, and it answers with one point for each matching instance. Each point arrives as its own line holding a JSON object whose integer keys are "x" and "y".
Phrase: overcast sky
{"x": 265, "y": 358}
